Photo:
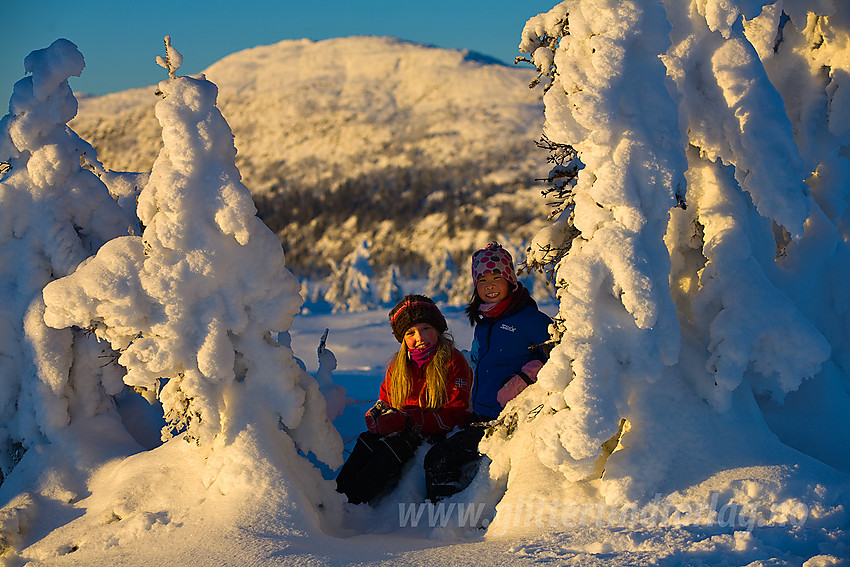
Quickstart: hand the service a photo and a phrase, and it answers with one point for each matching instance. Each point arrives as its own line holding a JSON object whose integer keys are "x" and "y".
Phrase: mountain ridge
{"x": 313, "y": 117}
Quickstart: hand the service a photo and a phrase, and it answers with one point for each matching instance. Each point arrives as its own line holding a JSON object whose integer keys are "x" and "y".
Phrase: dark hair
{"x": 473, "y": 308}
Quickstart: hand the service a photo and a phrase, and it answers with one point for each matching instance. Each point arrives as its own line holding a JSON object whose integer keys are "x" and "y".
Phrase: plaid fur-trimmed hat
{"x": 414, "y": 309}
{"x": 493, "y": 260}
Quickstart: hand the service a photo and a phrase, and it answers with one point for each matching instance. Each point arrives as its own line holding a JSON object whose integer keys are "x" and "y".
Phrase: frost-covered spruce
{"x": 441, "y": 277}
{"x": 390, "y": 290}
{"x": 685, "y": 327}
{"x": 350, "y": 283}
{"x": 53, "y": 215}
{"x": 192, "y": 303}
{"x": 620, "y": 327}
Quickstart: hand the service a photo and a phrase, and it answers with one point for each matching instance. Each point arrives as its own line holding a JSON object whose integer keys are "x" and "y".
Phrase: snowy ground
{"x": 362, "y": 343}
{"x": 124, "y": 507}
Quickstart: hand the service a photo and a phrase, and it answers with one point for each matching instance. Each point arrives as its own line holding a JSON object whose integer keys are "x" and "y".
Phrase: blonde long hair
{"x": 436, "y": 376}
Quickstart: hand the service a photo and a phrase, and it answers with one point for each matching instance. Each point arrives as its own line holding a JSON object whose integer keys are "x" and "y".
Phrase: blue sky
{"x": 120, "y": 39}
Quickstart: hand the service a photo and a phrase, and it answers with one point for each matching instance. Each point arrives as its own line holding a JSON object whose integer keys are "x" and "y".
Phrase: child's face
{"x": 492, "y": 288}
{"x": 420, "y": 335}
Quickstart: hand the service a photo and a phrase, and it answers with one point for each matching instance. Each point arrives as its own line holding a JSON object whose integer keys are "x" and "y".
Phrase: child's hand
{"x": 390, "y": 422}
{"x": 384, "y": 419}
{"x": 531, "y": 368}
{"x": 415, "y": 417}
{"x": 518, "y": 382}
{"x": 510, "y": 390}
{"x": 375, "y": 413}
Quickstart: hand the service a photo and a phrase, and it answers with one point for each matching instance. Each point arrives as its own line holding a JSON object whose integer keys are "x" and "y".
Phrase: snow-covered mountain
{"x": 416, "y": 149}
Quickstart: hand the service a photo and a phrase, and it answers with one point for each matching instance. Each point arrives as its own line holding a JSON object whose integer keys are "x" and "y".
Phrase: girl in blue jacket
{"x": 510, "y": 332}
{"x": 507, "y": 351}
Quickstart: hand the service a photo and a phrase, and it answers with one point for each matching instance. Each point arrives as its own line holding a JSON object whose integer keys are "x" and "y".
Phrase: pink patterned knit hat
{"x": 493, "y": 260}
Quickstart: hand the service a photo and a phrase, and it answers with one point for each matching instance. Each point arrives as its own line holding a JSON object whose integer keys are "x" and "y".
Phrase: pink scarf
{"x": 495, "y": 309}
{"x": 422, "y": 356}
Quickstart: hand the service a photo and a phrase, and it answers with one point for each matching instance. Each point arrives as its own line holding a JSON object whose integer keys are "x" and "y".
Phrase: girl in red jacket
{"x": 425, "y": 394}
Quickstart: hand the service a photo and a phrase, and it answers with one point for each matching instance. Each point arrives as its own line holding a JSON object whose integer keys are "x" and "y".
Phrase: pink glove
{"x": 510, "y": 390}
{"x": 519, "y": 382}
{"x": 531, "y": 368}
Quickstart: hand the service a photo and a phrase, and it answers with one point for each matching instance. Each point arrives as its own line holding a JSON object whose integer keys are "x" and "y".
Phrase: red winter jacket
{"x": 458, "y": 384}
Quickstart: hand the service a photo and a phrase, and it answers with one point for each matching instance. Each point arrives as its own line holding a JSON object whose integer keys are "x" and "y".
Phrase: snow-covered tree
{"x": 53, "y": 215}
{"x": 463, "y": 287}
{"x": 350, "y": 283}
{"x": 390, "y": 290}
{"x": 688, "y": 229}
{"x": 441, "y": 277}
{"x": 335, "y": 395}
{"x": 191, "y": 304}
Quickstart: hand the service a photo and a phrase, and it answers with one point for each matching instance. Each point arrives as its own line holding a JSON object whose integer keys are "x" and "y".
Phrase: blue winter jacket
{"x": 501, "y": 347}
